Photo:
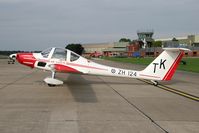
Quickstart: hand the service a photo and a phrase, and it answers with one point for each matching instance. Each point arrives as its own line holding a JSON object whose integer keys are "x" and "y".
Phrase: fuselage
{"x": 66, "y": 61}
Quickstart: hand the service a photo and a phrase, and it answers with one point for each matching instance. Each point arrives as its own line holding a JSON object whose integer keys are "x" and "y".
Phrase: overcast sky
{"x": 39, "y": 24}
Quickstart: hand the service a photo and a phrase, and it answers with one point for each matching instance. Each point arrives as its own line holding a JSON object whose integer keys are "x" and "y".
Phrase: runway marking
{"x": 178, "y": 92}
{"x": 137, "y": 108}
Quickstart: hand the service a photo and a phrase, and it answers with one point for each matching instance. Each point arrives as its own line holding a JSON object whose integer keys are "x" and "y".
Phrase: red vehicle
{"x": 96, "y": 54}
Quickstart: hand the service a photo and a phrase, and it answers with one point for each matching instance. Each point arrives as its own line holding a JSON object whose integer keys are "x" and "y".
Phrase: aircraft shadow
{"x": 80, "y": 88}
{"x": 73, "y": 79}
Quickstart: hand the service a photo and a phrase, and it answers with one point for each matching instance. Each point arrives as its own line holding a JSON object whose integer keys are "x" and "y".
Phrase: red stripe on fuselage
{"x": 78, "y": 65}
{"x": 149, "y": 76}
{"x": 63, "y": 68}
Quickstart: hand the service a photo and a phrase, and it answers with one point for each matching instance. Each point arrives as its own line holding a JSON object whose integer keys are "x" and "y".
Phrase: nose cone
{"x": 26, "y": 59}
{"x": 12, "y": 56}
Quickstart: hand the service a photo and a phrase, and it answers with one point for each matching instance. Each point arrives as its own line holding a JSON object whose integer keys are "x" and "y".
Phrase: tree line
{"x": 4, "y": 52}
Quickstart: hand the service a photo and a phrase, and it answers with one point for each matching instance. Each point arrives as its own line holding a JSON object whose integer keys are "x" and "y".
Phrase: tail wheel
{"x": 155, "y": 83}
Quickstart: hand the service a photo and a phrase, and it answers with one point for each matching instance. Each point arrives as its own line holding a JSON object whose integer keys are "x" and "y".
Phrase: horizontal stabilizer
{"x": 176, "y": 49}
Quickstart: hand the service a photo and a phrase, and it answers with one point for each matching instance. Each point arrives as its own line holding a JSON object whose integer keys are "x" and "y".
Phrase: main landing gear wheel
{"x": 52, "y": 81}
{"x": 155, "y": 83}
{"x": 51, "y": 85}
{"x": 11, "y": 61}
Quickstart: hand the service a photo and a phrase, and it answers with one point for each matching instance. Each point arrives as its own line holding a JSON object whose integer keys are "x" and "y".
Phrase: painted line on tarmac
{"x": 136, "y": 107}
{"x": 176, "y": 91}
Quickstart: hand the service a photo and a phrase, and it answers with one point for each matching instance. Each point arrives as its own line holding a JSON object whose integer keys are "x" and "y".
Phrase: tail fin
{"x": 164, "y": 66}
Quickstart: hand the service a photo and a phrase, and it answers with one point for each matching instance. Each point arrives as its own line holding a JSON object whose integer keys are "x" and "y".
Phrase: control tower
{"x": 146, "y": 37}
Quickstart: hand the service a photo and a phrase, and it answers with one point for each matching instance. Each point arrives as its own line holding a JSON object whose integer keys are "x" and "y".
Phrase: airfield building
{"x": 91, "y": 48}
{"x": 118, "y": 49}
{"x": 135, "y": 48}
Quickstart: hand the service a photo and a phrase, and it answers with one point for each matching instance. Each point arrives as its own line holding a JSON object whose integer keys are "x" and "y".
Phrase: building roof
{"x": 115, "y": 50}
{"x": 169, "y": 39}
{"x": 121, "y": 44}
{"x": 98, "y": 45}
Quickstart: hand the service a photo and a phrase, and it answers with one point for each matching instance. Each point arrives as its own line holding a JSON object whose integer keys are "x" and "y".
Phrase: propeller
{"x": 12, "y": 58}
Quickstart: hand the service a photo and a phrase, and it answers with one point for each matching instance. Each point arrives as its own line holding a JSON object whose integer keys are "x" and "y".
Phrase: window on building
{"x": 194, "y": 53}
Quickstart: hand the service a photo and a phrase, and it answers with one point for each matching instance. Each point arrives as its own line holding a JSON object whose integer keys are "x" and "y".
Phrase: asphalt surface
{"x": 94, "y": 104}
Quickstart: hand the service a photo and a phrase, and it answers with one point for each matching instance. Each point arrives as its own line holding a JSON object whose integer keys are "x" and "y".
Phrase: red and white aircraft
{"x": 65, "y": 61}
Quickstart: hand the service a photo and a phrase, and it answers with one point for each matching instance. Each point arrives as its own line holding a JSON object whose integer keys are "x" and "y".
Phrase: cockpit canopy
{"x": 45, "y": 53}
{"x": 60, "y": 54}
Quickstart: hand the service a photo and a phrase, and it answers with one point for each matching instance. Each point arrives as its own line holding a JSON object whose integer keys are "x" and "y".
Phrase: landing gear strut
{"x": 155, "y": 83}
{"x": 52, "y": 81}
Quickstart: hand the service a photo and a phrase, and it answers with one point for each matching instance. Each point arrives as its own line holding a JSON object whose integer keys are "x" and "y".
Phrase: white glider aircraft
{"x": 65, "y": 61}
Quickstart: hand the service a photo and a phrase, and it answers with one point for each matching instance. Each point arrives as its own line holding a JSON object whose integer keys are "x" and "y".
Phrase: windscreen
{"x": 46, "y": 52}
